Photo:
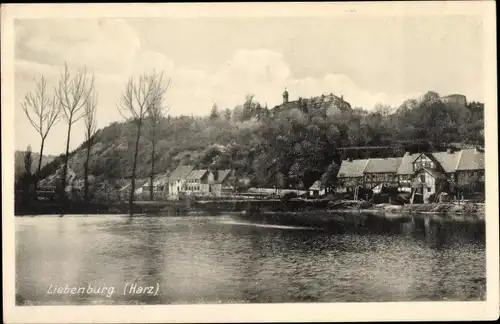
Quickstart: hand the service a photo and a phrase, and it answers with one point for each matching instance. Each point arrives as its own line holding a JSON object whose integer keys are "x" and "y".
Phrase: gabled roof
{"x": 161, "y": 180}
{"x": 181, "y": 172}
{"x": 352, "y": 169}
{"x": 471, "y": 159}
{"x": 388, "y": 165}
{"x": 447, "y": 160}
{"x": 221, "y": 175}
{"x": 316, "y": 185}
{"x": 466, "y": 159}
{"x": 406, "y": 165}
{"x": 196, "y": 174}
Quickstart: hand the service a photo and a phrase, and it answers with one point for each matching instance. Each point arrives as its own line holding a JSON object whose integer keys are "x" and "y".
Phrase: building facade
{"x": 317, "y": 189}
{"x": 198, "y": 181}
{"x": 424, "y": 174}
{"x": 177, "y": 180}
{"x": 186, "y": 179}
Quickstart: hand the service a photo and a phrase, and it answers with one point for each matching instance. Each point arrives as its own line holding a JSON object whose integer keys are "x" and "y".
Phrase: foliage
{"x": 283, "y": 148}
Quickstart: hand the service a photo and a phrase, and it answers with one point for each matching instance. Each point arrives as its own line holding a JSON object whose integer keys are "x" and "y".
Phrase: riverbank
{"x": 474, "y": 209}
{"x": 251, "y": 207}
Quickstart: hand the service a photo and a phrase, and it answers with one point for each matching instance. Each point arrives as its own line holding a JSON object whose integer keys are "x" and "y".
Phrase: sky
{"x": 367, "y": 60}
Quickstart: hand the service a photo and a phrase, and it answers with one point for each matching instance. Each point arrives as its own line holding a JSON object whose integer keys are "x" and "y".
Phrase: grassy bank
{"x": 216, "y": 207}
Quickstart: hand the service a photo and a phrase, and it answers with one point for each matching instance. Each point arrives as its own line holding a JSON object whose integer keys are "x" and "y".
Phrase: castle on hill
{"x": 330, "y": 103}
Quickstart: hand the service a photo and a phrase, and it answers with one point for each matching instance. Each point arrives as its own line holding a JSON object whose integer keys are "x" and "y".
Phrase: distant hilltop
{"x": 330, "y": 103}
{"x": 455, "y": 99}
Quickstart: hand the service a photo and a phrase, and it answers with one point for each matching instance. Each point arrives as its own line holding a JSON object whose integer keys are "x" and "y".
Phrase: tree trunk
{"x": 151, "y": 191}
{"x": 66, "y": 158}
{"x": 134, "y": 166}
{"x": 37, "y": 177}
{"x": 86, "y": 172}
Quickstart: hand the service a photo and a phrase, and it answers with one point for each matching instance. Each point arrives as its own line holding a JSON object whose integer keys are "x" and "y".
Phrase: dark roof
{"x": 196, "y": 174}
{"x": 221, "y": 175}
{"x": 406, "y": 165}
{"x": 352, "y": 169}
{"x": 447, "y": 160}
{"x": 467, "y": 159}
{"x": 388, "y": 165}
{"x": 471, "y": 159}
{"x": 316, "y": 185}
{"x": 181, "y": 172}
{"x": 158, "y": 180}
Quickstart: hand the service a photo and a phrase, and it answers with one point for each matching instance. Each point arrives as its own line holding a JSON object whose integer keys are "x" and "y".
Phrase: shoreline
{"x": 270, "y": 208}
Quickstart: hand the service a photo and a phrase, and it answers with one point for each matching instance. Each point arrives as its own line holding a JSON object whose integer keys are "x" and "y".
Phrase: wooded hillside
{"x": 283, "y": 147}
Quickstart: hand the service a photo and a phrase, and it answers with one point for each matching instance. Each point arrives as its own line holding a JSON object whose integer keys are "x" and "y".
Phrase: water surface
{"x": 224, "y": 259}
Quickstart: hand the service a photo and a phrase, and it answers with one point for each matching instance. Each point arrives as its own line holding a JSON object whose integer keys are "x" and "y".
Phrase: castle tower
{"x": 285, "y": 96}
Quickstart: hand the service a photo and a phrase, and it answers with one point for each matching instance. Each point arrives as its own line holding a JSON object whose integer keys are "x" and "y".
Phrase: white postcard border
{"x": 293, "y": 312}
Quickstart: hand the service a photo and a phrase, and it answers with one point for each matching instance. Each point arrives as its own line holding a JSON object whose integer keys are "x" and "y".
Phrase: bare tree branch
{"x": 142, "y": 97}
{"x": 90, "y": 120}
{"x": 89, "y": 116}
{"x": 42, "y": 112}
{"x": 72, "y": 94}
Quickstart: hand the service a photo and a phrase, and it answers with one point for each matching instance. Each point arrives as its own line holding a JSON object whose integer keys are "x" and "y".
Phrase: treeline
{"x": 74, "y": 98}
{"x": 290, "y": 147}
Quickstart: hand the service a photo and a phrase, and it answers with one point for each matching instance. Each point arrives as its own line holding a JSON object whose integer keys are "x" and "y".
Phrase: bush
{"x": 289, "y": 195}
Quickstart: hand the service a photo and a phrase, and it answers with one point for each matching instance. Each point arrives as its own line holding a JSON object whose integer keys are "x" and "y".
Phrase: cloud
{"x": 105, "y": 45}
{"x": 114, "y": 52}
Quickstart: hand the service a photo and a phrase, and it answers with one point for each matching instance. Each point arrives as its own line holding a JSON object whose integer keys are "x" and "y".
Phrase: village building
{"x": 198, "y": 181}
{"x": 186, "y": 179}
{"x": 379, "y": 171}
{"x": 222, "y": 183}
{"x": 317, "y": 189}
{"x": 177, "y": 180}
{"x": 350, "y": 175}
{"x": 423, "y": 174}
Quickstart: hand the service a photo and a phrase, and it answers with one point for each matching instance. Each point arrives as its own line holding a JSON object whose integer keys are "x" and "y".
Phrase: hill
{"x": 289, "y": 145}
{"x": 19, "y": 162}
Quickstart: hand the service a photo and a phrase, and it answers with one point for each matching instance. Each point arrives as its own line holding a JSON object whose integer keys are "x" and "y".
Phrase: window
{"x": 422, "y": 178}
{"x": 428, "y": 189}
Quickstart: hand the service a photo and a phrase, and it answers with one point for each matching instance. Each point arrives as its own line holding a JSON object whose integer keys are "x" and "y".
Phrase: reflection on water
{"x": 226, "y": 260}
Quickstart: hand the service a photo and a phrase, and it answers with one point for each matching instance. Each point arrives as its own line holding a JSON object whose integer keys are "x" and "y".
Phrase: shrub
{"x": 289, "y": 195}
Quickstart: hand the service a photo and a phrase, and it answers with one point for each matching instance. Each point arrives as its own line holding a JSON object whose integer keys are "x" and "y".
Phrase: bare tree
{"x": 42, "y": 112}
{"x": 72, "y": 93}
{"x": 90, "y": 131}
{"x": 28, "y": 177}
{"x": 140, "y": 96}
{"x": 156, "y": 114}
